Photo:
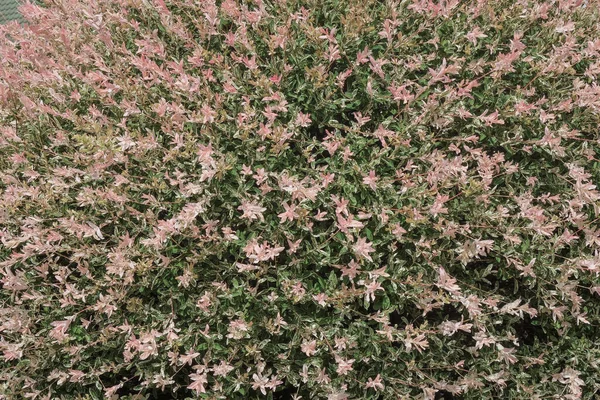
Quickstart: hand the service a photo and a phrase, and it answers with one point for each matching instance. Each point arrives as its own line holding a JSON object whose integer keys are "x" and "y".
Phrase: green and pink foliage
{"x": 300, "y": 199}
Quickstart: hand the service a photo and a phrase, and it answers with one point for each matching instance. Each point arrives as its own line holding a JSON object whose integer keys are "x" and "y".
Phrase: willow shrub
{"x": 289, "y": 199}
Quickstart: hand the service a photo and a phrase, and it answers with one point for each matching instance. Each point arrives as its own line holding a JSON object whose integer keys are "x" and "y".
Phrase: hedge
{"x": 300, "y": 199}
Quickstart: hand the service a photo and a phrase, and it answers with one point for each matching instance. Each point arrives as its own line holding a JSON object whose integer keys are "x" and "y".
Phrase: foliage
{"x": 292, "y": 199}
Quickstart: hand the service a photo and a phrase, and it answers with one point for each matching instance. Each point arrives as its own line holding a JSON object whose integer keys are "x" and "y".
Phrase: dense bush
{"x": 292, "y": 199}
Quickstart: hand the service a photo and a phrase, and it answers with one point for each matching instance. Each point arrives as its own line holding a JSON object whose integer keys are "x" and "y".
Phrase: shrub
{"x": 292, "y": 199}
